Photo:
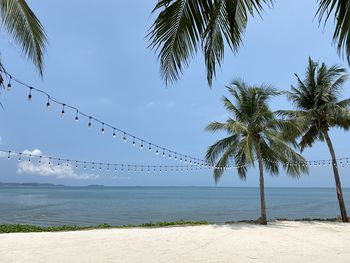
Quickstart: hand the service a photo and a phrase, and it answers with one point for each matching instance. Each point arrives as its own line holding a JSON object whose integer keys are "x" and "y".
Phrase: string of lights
{"x": 127, "y": 167}
{"x": 106, "y": 127}
{"x": 96, "y": 165}
{"x": 143, "y": 143}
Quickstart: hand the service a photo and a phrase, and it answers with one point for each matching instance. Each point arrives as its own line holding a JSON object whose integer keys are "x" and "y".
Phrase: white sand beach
{"x": 277, "y": 242}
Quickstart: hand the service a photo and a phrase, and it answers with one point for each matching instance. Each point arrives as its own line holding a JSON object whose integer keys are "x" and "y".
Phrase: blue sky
{"x": 98, "y": 60}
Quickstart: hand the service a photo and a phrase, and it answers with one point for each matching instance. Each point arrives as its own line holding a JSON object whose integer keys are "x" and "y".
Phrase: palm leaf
{"x": 176, "y": 33}
{"x": 183, "y": 25}
{"x": 25, "y": 28}
{"x": 341, "y": 11}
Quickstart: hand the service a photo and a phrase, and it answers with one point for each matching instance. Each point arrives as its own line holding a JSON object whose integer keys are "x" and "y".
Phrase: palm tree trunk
{"x": 262, "y": 220}
{"x": 337, "y": 178}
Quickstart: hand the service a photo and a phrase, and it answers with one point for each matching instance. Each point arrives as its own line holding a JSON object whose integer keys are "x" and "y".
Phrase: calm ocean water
{"x": 136, "y": 205}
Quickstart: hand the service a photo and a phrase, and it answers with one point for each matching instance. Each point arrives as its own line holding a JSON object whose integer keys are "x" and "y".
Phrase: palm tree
{"x": 254, "y": 133}
{"x": 184, "y": 26}
{"x": 25, "y": 29}
{"x": 318, "y": 109}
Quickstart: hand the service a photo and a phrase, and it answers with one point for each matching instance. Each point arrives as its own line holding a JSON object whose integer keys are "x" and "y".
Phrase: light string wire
{"x": 159, "y": 150}
{"x": 96, "y": 165}
{"x": 192, "y": 161}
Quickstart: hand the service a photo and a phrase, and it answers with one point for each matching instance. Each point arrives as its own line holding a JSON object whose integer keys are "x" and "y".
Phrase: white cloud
{"x": 35, "y": 152}
{"x": 47, "y": 168}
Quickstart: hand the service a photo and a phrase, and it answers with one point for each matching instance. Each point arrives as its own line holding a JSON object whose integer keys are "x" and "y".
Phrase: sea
{"x": 84, "y": 206}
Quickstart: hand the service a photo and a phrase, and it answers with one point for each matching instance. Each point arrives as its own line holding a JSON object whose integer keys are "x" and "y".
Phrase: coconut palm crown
{"x": 319, "y": 108}
{"x": 255, "y": 134}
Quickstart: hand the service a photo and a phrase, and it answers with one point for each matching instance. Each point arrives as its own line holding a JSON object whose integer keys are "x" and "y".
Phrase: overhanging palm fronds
{"x": 341, "y": 11}
{"x": 183, "y": 26}
{"x": 25, "y": 28}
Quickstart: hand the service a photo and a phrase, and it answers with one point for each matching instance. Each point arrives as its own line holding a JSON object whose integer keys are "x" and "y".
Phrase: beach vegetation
{"x": 14, "y": 228}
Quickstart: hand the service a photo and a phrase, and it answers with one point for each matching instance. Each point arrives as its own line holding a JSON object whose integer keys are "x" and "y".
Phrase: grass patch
{"x": 18, "y": 228}
{"x": 7, "y": 228}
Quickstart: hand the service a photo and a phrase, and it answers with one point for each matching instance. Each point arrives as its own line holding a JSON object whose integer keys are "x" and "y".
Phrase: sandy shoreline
{"x": 277, "y": 242}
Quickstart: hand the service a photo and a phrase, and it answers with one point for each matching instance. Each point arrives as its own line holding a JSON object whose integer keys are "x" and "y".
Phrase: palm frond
{"x": 183, "y": 25}
{"x": 216, "y": 126}
{"x": 341, "y": 11}
{"x": 215, "y": 150}
{"x": 26, "y": 30}
{"x": 176, "y": 32}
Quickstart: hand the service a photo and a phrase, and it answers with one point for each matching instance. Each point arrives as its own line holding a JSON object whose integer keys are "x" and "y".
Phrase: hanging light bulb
{"x": 39, "y": 159}
{"x": 84, "y": 165}
{"x": 122, "y": 167}
{"x": 141, "y": 145}
{"x": 114, "y": 134}
{"x": 90, "y": 119}
{"x": 9, "y": 87}
{"x": 150, "y": 147}
{"x": 30, "y": 94}
{"x": 133, "y": 141}
{"x": 62, "y": 112}
{"x": 20, "y": 157}
{"x": 9, "y": 155}
{"x": 181, "y": 159}
{"x": 100, "y": 168}
{"x": 157, "y": 151}
{"x": 49, "y": 160}
{"x": 93, "y": 166}
{"x": 103, "y": 128}
{"x": 59, "y": 161}
{"x": 124, "y": 139}
{"x": 67, "y": 163}
{"x": 76, "y": 164}
{"x": 77, "y": 116}
{"x": 108, "y": 167}
{"x": 163, "y": 152}
{"x": 48, "y": 103}
{"x": 169, "y": 156}
{"x": 115, "y": 168}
